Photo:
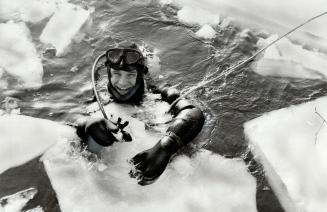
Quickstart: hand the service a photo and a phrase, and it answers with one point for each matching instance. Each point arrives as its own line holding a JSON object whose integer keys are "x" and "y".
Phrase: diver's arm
{"x": 95, "y": 133}
{"x": 185, "y": 127}
{"x": 151, "y": 163}
{"x": 188, "y": 119}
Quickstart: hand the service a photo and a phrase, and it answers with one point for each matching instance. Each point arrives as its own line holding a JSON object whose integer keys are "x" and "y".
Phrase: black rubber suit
{"x": 150, "y": 164}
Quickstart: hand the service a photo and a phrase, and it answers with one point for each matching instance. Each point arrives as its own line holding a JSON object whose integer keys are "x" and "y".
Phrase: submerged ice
{"x": 291, "y": 144}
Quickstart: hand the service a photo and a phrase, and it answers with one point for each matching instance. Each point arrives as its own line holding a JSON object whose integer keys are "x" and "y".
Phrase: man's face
{"x": 123, "y": 81}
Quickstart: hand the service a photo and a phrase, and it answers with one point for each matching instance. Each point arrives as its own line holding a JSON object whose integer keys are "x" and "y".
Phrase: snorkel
{"x": 136, "y": 93}
{"x": 126, "y": 137}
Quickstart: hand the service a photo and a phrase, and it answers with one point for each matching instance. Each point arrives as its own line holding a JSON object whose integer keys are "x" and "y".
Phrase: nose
{"x": 123, "y": 81}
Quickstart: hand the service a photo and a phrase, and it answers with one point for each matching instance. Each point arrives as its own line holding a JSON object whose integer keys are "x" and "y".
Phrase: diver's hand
{"x": 101, "y": 130}
{"x": 150, "y": 164}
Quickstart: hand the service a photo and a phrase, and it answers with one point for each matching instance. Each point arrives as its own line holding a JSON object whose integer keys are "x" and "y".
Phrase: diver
{"x": 128, "y": 75}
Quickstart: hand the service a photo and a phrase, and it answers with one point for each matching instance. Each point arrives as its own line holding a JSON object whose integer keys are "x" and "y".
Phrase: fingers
{"x": 141, "y": 177}
{"x": 145, "y": 179}
{"x": 138, "y": 158}
{"x": 111, "y": 126}
{"x": 140, "y": 170}
{"x": 138, "y": 166}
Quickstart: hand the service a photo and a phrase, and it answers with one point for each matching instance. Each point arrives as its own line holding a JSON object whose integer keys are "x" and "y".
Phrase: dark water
{"x": 228, "y": 103}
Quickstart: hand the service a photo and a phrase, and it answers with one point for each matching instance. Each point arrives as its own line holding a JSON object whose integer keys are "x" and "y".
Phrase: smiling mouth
{"x": 122, "y": 90}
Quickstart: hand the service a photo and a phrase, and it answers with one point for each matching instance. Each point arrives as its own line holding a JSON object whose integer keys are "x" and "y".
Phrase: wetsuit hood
{"x": 135, "y": 95}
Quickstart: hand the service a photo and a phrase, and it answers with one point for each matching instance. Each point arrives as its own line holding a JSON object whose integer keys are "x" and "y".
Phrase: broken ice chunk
{"x": 18, "y": 54}
{"x": 15, "y": 202}
{"x": 291, "y": 145}
{"x": 195, "y": 15}
{"x": 206, "y": 32}
{"x": 63, "y": 26}
{"x": 23, "y": 138}
{"x": 27, "y": 10}
{"x": 285, "y": 59}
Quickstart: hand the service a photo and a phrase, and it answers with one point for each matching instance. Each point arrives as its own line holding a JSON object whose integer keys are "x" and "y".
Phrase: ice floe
{"x": 3, "y": 83}
{"x": 22, "y": 138}
{"x": 19, "y": 56}
{"x": 275, "y": 16}
{"x": 286, "y": 59}
{"x": 291, "y": 144}
{"x": 206, "y": 32}
{"x": 192, "y": 15}
{"x": 64, "y": 25}
{"x": 27, "y": 10}
{"x": 16, "y": 202}
{"x": 10, "y": 105}
{"x": 203, "y": 182}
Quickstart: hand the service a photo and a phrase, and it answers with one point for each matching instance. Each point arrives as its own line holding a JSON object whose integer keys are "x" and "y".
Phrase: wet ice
{"x": 291, "y": 144}
{"x": 63, "y": 26}
{"x": 19, "y": 56}
{"x": 188, "y": 184}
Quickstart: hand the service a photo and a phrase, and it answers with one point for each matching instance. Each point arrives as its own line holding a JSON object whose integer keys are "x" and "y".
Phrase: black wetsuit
{"x": 188, "y": 119}
{"x": 186, "y": 124}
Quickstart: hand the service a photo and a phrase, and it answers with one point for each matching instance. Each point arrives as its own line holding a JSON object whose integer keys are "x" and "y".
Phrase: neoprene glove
{"x": 100, "y": 130}
{"x": 151, "y": 163}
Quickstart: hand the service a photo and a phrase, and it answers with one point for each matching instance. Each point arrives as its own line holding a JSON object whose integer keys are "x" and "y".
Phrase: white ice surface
{"x": 15, "y": 202}
{"x": 37, "y": 209}
{"x": 291, "y": 144}
{"x": 22, "y": 138}
{"x": 275, "y": 16}
{"x": 27, "y": 10}
{"x": 286, "y": 59}
{"x": 204, "y": 182}
{"x": 63, "y": 26}
{"x": 191, "y": 15}
{"x": 206, "y": 32}
{"x": 3, "y": 83}
{"x": 19, "y": 57}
